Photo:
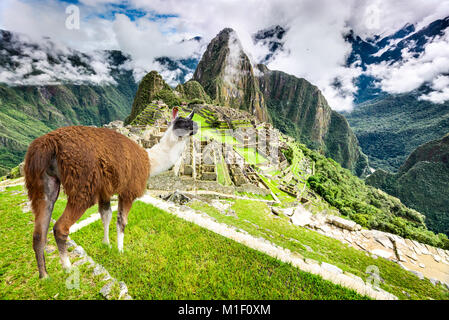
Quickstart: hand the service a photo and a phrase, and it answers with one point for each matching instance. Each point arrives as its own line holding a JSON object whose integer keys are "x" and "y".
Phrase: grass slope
{"x": 168, "y": 258}
{"x": 257, "y": 219}
{"x": 19, "y": 278}
{"x": 165, "y": 258}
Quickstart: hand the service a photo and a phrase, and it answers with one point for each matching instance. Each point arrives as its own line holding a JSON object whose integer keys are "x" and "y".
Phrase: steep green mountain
{"x": 192, "y": 90}
{"x": 422, "y": 182}
{"x": 293, "y": 105}
{"x": 27, "y": 112}
{"x": 151, "y": 87}
{"x": 226, "y": 74}
{"x": 391, "y": 127}
{"x": 43, "y": 87}
{"x": 299, "y": 109}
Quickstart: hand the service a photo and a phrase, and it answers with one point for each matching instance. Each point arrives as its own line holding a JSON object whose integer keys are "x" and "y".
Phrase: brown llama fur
{"x": 92, "y": 164}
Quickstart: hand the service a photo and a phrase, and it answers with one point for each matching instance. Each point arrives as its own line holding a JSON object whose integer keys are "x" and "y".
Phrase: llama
{"x": 92, "y": 164}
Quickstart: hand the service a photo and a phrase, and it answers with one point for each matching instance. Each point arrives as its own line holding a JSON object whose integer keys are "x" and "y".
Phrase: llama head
{"x": 182, "y": 128}
{"x": 165, "y": 154}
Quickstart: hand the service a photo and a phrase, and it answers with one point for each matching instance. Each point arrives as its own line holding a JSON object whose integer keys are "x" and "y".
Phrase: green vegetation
{"x": 422, "y": 183}
{"x": 168, "y": 258}
{"x": 165, "y": 258}
{"x": 149, "y": 86}
{"x": 298, "y": 109}
{"x": 391, "y": 127}
{"x": 256, "y": 218}
{"x": 250, "y": 155}
{"x": 368, "y": 206}
{"x": 193, "y": 92}
{"x": 223, "y": 173}
{"x": 19, "y": 278}
{"x": 29, "y": 112}
{"x": 168, "y": 96}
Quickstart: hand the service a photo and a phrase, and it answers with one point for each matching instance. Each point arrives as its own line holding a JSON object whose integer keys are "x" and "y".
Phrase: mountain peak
{"x": 226, "y": 31}
{"x": 227, "y": 75}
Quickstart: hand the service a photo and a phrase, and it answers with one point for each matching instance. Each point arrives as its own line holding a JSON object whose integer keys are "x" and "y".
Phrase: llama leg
{"x": 106, "y": 215}
{"x": 61, "y": 230}
{"x": 43, "y": 209}
{"x": 124, "y": 205}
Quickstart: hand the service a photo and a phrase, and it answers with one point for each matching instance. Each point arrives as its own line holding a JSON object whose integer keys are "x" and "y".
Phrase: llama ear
{"x": 190, "y": 116}
{"x": 175, "y": 113}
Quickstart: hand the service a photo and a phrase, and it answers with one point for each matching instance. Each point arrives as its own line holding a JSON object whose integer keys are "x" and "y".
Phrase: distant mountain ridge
{"x": 390, "y": 127}
{"x": 422, "y": 183}
{"x": 47, "y": 88}
{"x": 388, "y": 49}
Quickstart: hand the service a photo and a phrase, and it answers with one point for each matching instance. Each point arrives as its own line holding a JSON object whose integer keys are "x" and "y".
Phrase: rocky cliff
{"x": 299, "y": 108}
{"x": 227, "y": 75}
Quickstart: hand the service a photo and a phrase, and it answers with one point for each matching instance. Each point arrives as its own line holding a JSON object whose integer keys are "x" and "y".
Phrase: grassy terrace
{"x": 249, "y": 154}
{"x": 256, "y": 218}
{"x": 18, "y": 269}
{"x": 165, "y": 258}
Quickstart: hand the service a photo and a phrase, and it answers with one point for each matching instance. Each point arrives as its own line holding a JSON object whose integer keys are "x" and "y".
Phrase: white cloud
{"x": 412, "y": 72}
{"x": 35, "y": 69}
{"x": 145, "y": 40}
{"x": 315, "y": 48}
{"x": 441, "y": 94}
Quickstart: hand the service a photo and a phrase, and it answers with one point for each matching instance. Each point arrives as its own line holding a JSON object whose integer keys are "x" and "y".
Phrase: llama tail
{"x": 38, "y": 158}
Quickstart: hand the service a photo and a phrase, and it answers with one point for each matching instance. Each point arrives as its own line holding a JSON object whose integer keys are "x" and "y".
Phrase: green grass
{"x": 18, "y": 270}
{"x": 284, "y": 197}
{"x": 223, "y": 173}
{"x": 168, "y": 258}
{"x": 206, "y": 131}
{"x": 165, "y": 258}
{"x": 254, "y": 196}
{"x": 250, "y": 155}
{"x": 256, "y": 218}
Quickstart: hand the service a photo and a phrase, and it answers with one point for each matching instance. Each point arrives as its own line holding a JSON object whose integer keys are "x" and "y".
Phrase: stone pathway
{"x": 79, "y": 255}
{"x": 326, "y": 271}
{"x": 97, "y": 269}
{"x": 421, "y": 259}
{"x": 107, "y": 290}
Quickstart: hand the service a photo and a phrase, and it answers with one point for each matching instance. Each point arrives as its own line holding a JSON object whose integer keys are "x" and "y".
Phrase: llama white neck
{"x": 165, "y": 154}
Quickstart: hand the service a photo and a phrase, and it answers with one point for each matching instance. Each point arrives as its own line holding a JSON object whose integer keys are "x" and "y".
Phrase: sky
{"x": 314, "y": 44}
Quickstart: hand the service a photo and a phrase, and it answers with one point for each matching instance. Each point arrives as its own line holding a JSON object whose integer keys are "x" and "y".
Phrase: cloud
{"x": 412, "y": 72}
{"x": 314, "y": 46}
{"x": 146, "y": 40}
{"x": 441, "y": 94}
{"x": 45, "y": 62}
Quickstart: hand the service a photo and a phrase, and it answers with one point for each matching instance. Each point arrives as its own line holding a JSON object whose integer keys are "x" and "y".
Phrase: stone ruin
{"x": 265, "y": 140}
{"x": 202, "y": 157}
